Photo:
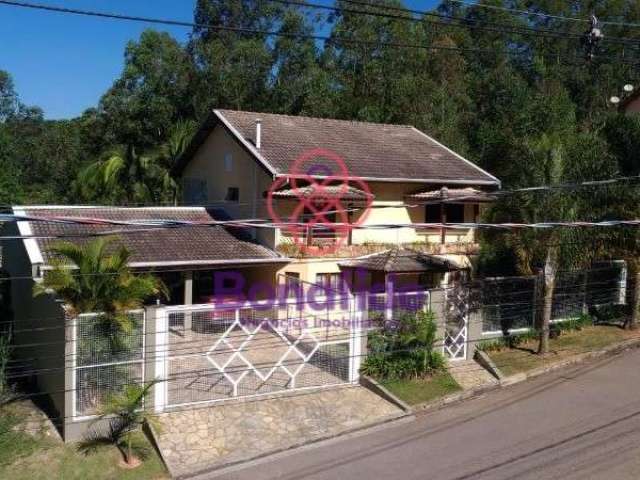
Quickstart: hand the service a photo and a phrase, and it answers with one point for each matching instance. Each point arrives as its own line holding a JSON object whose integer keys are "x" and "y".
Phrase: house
{"x": 395, "y": 174}
{"x": 274, "y": 301}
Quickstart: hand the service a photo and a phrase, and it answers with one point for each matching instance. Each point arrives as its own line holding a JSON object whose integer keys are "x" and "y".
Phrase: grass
{"x": 567, "y": 345}
{"x": 27, "y": 457}
{"x": 415, "y": 391}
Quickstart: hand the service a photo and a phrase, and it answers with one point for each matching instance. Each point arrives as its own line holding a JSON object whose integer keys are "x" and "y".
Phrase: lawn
{"x": 415, "y": 391}
{"x": 27, "y": 457}
{"x": 567, "y": 345}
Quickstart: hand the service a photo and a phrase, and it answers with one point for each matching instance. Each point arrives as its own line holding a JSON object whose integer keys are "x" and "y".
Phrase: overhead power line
{"x": 418, "y": 16}
{"x": 531, "y": 13}
{"x": 253, "y": 31}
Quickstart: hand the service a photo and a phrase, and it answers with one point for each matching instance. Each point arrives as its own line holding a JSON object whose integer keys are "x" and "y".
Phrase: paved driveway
{"x": 580, "y": 424}
{"x": 202, "y": 437}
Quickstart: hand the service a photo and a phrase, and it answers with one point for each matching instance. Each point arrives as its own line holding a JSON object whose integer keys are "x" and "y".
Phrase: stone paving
{"x": 470, "y": 374}
{"x": 205, "y": 437}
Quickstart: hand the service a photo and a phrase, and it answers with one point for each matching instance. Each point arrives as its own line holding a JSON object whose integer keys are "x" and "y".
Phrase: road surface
{"x": 582, "y": 423}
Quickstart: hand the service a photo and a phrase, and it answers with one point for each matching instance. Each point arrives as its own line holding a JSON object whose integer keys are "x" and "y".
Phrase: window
{"x": 330, "y": 281}
{"x": 291, "y": 283}
{"x": 454, "y": 213}
{"x": 228, "y": 162}
{"x": 432, "y": 213}
{"x": 233, "y": 194}
{"x": 195, "y": 191}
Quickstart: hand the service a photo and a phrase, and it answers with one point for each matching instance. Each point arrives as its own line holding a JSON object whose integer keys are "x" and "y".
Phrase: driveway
{"x": 582, "y": 423}
{"x": 204, "y": 437}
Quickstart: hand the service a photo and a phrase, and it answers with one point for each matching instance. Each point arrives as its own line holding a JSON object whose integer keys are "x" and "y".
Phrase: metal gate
{"x": 456, "y": 321}
{"x": 220, "y": 352}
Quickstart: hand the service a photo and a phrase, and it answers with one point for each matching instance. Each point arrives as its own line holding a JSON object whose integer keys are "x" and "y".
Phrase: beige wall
{"x": 253, "y": 181}
{"x": 246, "y": 174}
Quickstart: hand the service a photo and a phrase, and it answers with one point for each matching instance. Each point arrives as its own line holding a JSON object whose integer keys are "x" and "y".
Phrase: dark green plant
{"x": 406, "y": 350}
{"x": 89, "y": 278}
{"x": 6, "y": 391}
{"x": 125, "y": 415}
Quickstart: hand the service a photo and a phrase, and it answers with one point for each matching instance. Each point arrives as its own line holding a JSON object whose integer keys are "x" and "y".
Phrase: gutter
{"x": 186, "y": 263}
{"x": 414, "y": 180}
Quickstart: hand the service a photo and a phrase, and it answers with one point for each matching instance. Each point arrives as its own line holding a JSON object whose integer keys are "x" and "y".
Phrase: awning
{"x": 402, "y": 260}
{"x": 453, "y": 195}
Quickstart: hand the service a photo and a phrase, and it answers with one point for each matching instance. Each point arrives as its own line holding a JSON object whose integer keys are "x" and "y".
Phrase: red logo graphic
{"x": 321, "y": 202}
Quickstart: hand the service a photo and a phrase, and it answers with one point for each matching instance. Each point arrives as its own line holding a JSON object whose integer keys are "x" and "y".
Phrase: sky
{"x": 63, "y": 63}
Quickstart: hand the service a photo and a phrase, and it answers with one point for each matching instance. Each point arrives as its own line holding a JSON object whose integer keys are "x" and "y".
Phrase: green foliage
{"x": 406, "y": 351}
{"x": 529, "y": 118}
{"x": 91, "y": 278}
{"x": 14, "y": 444}
{"x": 507, "y": 341}
{"x": 6, "y": 390}
{"x": 125, "y": 414}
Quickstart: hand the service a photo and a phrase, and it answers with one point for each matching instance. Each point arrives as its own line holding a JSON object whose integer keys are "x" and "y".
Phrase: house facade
{"x": 236, "y": 159}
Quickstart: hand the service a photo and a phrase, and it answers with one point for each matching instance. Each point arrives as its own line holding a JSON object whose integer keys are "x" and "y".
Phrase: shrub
{"x": 405, "y": 349}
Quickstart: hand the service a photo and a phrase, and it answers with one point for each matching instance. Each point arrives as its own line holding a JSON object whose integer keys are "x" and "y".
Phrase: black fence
{"x": 512, "y": 303}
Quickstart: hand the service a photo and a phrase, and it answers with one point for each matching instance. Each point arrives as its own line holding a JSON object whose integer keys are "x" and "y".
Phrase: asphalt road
{"x": 582, "y": 423}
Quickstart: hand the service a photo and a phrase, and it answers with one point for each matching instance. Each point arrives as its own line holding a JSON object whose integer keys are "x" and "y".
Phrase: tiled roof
{"x": 199, "y": 245}
{"x": 453, "y": 195}
{"x": 401, "y": 260}
{"x": 369, "y": 150}
{"x": 329, "y": 191}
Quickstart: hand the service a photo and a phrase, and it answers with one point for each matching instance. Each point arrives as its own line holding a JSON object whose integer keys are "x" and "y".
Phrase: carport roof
{"x": 200, "y": 245}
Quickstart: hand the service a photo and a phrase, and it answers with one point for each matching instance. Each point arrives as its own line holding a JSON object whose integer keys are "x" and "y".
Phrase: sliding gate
{"x": 220, "y": 352}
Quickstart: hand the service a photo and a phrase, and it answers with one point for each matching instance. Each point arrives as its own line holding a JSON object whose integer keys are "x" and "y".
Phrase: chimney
{"x": 258, "y": 132}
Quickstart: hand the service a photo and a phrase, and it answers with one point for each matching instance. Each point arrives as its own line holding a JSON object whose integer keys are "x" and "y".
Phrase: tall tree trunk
{"x": 550, "y": 269}
{"x": 632, "y": 324}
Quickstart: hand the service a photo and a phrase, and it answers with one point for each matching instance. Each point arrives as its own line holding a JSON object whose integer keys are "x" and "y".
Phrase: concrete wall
{"x": 39, "y": 327}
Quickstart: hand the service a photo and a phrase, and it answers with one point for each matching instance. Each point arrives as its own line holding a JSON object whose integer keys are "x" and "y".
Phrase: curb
{"x": 375, "y": 387}
{"x": 524, "y": 376}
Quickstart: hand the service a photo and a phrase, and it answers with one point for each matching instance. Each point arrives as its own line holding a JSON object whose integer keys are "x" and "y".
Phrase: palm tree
{"x": 89, "y": 278}
{"x": 418, "y": 337}
{"x": 550, "y": 161}
{"x": 123, "y": 175}
{"x": 179, "y": 137}
{"x": 124, "y": 411}
{"x": 128, "y": 175}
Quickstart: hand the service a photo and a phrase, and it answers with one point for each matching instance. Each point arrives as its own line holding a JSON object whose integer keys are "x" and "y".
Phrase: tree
{"x": 8, "y": 96}
{"x": 179, "y": 137}
{"x": 233, "y": 69}
{"x": 95, "y": 277}
{"x": 124, "y": 411}
{"x": 153, "y": 92}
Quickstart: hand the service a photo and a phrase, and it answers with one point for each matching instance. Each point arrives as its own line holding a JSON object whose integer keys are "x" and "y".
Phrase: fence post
{"x": 357, "y": 315}
{"x": 389, "y": 297}
{"x": 156, "y": 351}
